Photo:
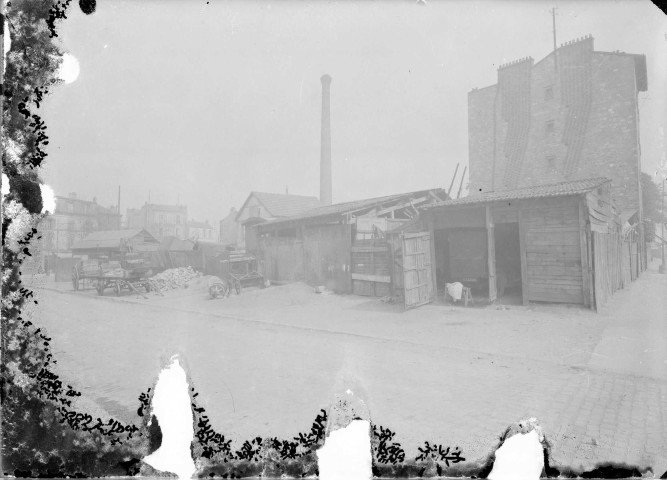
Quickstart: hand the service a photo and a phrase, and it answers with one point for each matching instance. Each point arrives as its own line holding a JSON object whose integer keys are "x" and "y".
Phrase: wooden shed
{"x": 113, "y": 243}
{"x": 341, "y": 246}
{"x": 558, "y": 243}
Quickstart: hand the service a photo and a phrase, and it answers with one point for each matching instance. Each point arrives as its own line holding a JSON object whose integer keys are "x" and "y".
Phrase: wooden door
{"x": 417, "y": 269}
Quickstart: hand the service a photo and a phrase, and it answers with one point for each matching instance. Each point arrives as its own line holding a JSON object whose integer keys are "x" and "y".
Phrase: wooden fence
{"x": 616, "y": 263}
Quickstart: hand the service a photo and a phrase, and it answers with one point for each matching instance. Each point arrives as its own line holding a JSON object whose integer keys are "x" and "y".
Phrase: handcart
{"x": 241, "y": 271}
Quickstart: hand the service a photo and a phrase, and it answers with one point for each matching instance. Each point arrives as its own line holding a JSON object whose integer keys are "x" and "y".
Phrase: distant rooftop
{"x": 283, "y": 205}
{"x": 111, "y": 238}
{"x": 641, "y": 73}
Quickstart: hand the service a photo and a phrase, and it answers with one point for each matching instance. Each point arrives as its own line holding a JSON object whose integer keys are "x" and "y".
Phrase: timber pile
{"x": 173, "y": 278}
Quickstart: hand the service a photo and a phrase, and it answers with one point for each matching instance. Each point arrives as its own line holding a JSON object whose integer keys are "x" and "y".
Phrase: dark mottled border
{"x": 37, "y": 406}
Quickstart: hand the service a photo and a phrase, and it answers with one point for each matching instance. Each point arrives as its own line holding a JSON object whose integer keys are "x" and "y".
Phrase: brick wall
{"x": 583, "y": 123}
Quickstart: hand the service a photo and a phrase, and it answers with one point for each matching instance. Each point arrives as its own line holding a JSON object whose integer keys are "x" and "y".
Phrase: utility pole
{"x": 553, "y": 18}
{"x": 118, "y": 207}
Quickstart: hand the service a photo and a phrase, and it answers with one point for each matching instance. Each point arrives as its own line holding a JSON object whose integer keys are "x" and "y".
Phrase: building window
{"x": 255, "y": 212}
{"x": 550, "y": 127}
{"x": 549, "y": 93}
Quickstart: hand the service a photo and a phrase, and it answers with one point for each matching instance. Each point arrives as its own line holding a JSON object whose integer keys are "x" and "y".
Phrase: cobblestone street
{"x": 266, "y": 361}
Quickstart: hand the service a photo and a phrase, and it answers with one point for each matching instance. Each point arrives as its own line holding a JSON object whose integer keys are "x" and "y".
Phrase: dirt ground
{"x": 264, "y": 363}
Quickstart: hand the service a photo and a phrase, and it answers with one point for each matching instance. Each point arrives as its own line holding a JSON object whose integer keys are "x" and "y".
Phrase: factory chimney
{"x": 325, "y": 152}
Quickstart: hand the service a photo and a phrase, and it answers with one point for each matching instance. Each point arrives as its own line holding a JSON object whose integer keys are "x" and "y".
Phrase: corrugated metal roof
{"x": 110, "y": 238}
{"x": 349, "y": 207}
{"x": 560, "y": 189}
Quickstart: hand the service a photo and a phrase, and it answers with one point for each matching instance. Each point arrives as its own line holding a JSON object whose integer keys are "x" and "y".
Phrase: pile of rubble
{"x": 173, "y": 278}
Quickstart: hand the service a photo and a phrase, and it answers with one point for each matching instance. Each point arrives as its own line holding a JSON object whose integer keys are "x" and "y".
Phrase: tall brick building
{"x": 572, "y": 115}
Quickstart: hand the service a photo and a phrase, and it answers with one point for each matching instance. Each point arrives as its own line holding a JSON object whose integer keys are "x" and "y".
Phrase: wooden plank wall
{"x": 281, "y": 258}
{"x": 553, "y": 251}
{"x": 326, "y": 256}
{"x": 417, "y": 269}
{"x": 395, "y": 244}
{"x": 463, "y": 218}
{"x": 612, "y": 261}
{"x": 610, "y": 264}
{"x": 504, "y": 213}
{"x": 192, "y": 259}
{"x": 371, "y": 268}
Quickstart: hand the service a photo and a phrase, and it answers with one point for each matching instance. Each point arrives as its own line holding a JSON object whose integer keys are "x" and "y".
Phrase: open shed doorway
{"x": 508, "y": 263}
{"x": 461, "y": 256}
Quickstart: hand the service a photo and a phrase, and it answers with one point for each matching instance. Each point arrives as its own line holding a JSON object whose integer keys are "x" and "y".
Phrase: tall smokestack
{"x": 325, "y": 153}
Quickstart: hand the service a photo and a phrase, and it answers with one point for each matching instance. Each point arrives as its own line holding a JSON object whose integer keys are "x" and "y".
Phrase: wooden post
{"x": 434, "y": 283}
{"x": 591, "y": 255}
{"x": 304, "y": 256}
{"x": 585, "y": 268}
{"x": 491, "y": 250}
{"x": 524, "y": 258}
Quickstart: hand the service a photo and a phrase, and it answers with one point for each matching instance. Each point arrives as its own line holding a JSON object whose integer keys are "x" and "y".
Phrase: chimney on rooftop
{"x": 325, "y": 152}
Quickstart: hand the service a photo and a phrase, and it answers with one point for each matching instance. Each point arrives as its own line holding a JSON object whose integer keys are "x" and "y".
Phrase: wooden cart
{"x": 242, "y": 271}
{"x": 124, "y": 275}
{"x": 85, "y": 272}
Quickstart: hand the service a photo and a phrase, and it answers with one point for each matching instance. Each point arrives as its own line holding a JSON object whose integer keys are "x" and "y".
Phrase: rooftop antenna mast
{"x": 553, "y": 18}
{"x": 461, "y": 184}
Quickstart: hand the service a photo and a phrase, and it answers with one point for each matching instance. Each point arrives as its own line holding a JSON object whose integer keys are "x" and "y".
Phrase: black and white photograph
{"x": 334, "y": 239}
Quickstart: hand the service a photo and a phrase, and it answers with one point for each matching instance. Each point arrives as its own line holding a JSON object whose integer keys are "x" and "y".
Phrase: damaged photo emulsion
{"x": 334, "y": 239}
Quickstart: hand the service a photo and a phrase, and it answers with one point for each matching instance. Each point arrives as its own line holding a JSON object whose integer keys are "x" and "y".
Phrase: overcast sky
{"x": 204, "y": 101}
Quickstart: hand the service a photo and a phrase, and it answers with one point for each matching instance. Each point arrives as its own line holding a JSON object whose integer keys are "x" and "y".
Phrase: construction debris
{"x": 173, "y": 278}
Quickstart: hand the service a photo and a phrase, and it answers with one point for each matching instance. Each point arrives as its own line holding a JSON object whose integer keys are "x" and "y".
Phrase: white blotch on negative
{"x": 48, "y": 198}
{"x": 346, "y": 454}
{"x": 6, "y": 45}
{"x": 171, "y": 406}
{"x": 5, "y": 186}
{"x": 69, "y": 68}
{"x": 520, "y": 457}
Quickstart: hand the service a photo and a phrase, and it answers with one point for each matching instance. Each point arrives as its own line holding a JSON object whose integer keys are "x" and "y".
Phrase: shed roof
{"x": 282, "y": 205}
{"x": 560, "y": 189}
{"x": 112, "y": 238}
{"x": 344, "y": 208}
{"x": 173, "y": 243}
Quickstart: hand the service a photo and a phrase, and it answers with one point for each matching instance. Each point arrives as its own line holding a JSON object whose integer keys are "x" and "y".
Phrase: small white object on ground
{"x": 455, "y": 290}
{"x": 346, "y": 454}
{"x": 171, "y": 406}
{"x": 520, "y": 457}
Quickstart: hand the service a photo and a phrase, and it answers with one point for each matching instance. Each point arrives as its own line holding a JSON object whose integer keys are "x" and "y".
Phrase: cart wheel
{"x": 117, "y": 286}
{"x": 237, "y": 286}
{"x": 217, "y": 291}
